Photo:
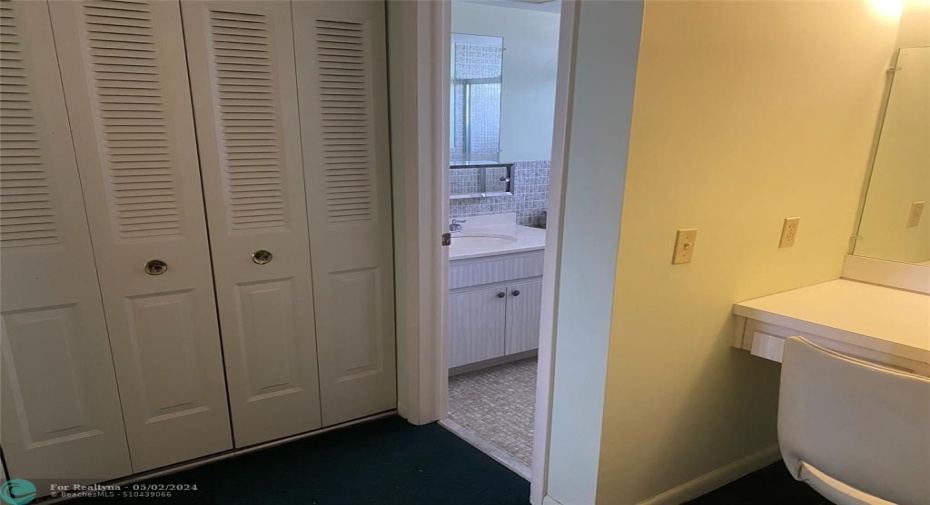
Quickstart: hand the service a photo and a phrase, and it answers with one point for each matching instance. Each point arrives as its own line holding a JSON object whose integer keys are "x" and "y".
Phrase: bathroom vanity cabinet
{"x": 494, "y": 306}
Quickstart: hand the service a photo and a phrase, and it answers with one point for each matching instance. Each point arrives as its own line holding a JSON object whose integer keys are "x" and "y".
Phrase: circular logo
{"x": 17, "y": 491}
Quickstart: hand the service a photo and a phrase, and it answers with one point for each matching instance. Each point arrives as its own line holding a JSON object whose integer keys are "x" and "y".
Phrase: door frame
{"x": 418, "y": 65}
{"x": 419, "y": 35}
{"x": 552, "y": 258}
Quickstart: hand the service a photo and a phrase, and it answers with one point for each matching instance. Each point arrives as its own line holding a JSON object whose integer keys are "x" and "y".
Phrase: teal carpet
{"x": 391, "y": 462}
{"x": 382, "y": 462}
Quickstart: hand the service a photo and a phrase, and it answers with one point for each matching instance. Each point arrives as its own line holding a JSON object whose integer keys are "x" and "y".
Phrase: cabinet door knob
{"x": 155, "y": 267}
{"x": 501, "y": 294}
{"x": 516, "y": 292}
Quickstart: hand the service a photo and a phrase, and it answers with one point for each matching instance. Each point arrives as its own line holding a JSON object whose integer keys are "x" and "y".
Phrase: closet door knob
{"x": 501, "y": 294}
{"x": 155, "y": 267}
{"x": 516, "y": 292}
{"x": 261, "y": 256}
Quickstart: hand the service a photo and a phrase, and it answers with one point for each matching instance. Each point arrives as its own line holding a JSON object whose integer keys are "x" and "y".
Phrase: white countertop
{"x": 875, "y": 317}
{"x": 526, "y": 238}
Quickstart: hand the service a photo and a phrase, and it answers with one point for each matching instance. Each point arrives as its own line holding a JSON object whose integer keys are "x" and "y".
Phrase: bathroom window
{"x": 477, "y": 63}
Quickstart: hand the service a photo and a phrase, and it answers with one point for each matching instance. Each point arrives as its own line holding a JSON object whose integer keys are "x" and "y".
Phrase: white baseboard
{"x": 717, "y": 478}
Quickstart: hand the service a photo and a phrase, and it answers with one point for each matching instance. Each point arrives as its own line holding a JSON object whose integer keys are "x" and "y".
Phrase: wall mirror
{"x": 895, "y": 224}
{"x": 475, "y": 115}
{"x": 475, "y": 105}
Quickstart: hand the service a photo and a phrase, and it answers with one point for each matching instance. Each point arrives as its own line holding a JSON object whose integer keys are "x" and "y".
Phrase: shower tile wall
{"x": 530, "y": 191}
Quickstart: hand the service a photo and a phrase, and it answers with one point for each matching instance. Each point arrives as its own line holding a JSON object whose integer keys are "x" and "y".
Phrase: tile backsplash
{"x": 530, "y": 191}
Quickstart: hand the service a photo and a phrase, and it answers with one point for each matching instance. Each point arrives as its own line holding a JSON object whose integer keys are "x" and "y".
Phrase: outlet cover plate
{"x": 913, "y": 216}
{"x": 789, "y": 232}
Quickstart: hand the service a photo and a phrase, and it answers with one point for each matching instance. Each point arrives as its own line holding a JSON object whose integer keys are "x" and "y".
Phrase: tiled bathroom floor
{"x": 493, "y": 409}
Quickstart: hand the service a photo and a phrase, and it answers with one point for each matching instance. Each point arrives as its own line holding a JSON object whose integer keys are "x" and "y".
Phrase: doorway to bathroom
{"x": 502, "y": 84}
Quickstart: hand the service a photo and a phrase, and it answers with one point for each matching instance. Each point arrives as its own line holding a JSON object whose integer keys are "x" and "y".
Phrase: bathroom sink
{"x": 482, "y": 240}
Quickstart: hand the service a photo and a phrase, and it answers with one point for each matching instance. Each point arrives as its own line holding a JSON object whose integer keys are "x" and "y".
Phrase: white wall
{"x": 605, "y": 67}
{"x": 531, "y": 42}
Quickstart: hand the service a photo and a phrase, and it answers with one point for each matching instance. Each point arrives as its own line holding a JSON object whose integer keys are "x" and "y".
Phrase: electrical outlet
{"x": 913, "y": 217}
{"x": 684, "y": 246}
{"x": 789, "y": 232}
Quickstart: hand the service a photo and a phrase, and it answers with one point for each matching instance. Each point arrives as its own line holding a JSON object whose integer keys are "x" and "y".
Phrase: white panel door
{"x": 245, "y": 95}
{"x": 524, "y": 302}
{"x": 60, "y": 408}
{"x": 476, "y": 325}
{"x": 341, "y": 80}
{"x": 125, "y": 77}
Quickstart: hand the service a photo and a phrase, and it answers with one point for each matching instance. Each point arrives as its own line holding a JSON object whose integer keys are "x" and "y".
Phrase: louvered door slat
{"x": 128, "y": 96}
{"x": 244, "y": 87}
{"x": 343, "y": 113}
{"x": 20, "y": 150}
{"x": 59, "y": 396}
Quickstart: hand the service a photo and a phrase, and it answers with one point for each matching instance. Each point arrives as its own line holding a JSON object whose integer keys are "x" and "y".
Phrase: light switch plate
{"x": 684, "y": 246}
{"x": 913, "y": 216}
{"x": 789, "y": 232}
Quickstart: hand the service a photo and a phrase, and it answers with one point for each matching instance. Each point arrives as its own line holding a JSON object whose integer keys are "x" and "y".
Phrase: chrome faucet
{"x": 456, "y": 225}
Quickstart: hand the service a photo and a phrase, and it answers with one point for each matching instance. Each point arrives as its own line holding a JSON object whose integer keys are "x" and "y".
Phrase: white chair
{"x": 856, "y": 432}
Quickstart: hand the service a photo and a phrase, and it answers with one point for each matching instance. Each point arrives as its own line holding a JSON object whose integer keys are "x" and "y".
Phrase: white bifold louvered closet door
{"x": 241, "y": 57}
{"x": 342, "y": 84}
{"x": 60, "y": 407}
{"x": 125, "y": 78}
{"x": 310, "y": 188}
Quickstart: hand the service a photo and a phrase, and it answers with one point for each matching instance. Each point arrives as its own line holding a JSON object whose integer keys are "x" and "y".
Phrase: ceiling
{"x": 552, "y": 6}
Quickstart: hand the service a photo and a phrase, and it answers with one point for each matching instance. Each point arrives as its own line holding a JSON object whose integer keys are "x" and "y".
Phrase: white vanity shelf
{"x": 879, "y": 324}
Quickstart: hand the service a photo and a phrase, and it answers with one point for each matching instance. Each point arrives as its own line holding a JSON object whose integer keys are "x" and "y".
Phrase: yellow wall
{"x": 914, "y": 30}
{"x": 745, "y": 113}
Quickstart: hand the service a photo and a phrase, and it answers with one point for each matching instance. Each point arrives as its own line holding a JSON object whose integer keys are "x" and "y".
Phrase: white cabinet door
{"x": 524, "y": 302}
{"x": 59, "y": 397}
{"x": 476, "y": 325}
{"x": 342, "y": 85}
{"x": 245, "y": 96}
{"x": 125, "y": 77}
